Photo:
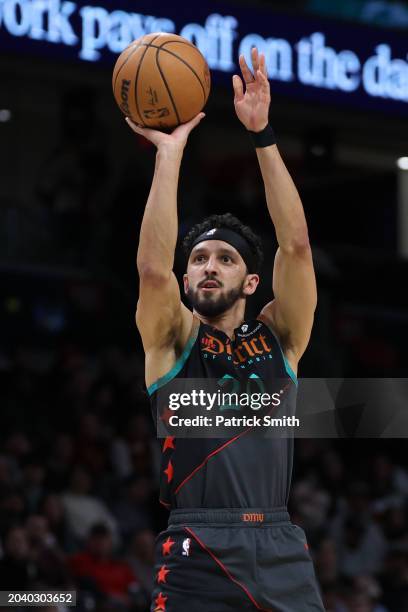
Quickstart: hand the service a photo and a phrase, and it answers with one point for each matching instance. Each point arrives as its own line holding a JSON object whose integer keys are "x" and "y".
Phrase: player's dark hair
{"x": 227, "y": 221}
{"x": 98, "y": 530}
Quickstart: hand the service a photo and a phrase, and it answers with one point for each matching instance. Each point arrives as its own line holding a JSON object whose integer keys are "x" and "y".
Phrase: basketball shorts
{"x": 230, "y": 560}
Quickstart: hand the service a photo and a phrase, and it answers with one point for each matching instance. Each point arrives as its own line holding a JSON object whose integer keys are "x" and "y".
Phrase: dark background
{"x": 77, "y": 445}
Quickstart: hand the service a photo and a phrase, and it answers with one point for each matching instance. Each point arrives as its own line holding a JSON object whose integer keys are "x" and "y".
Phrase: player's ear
{"x": 185, "y": 283}
{"x": 251, "y": 283}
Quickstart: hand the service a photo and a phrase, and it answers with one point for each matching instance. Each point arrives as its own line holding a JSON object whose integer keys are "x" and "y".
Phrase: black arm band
{"x": 264, "y": 138}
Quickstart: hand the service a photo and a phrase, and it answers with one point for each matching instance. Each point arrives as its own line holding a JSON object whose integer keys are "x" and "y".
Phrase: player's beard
{"x": 208, "y": 305}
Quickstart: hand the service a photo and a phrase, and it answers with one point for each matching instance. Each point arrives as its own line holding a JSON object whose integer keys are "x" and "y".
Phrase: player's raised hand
{"x": 176, "y": 140}
{"x": 252, "y": 105}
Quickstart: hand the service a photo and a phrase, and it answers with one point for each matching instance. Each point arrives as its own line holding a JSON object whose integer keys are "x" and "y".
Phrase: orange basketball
{"x": 161, "y": 80}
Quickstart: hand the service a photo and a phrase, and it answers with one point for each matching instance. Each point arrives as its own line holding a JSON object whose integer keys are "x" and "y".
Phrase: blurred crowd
{"x": 79, "y": 506}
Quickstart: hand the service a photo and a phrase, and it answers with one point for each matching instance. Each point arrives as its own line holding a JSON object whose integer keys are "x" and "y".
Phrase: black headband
{"x": 236, "y": 240}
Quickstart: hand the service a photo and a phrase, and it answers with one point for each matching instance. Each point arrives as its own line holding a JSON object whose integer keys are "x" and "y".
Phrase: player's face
{"x": 217, "y": 278}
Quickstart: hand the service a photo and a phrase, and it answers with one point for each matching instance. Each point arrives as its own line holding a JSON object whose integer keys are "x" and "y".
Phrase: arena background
{"x": 78, "y": 457}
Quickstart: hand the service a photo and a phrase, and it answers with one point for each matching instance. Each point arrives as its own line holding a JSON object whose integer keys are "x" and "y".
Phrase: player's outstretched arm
{"x": 291, "y": 313}
{"x": 161, "y": 316}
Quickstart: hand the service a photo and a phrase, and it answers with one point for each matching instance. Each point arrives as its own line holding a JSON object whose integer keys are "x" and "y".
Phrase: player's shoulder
{"x": 267, "y": 318}
{"x": 161, "y": 359}
{"x": 266, "y": 323}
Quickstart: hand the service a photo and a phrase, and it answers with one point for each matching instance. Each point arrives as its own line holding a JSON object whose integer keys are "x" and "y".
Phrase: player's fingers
{"x": 246, "y": 73}
{"x": 136, "y": 128}
{"x": 238, "y": 87}
{"x": 190, "y": 125}
{"x": 196, "y": 120}
{"x": 262, "y": 79}
{"x": 255, "y": 59}
{"x": 148, "y": 133}
{"x": 262, "y": 64}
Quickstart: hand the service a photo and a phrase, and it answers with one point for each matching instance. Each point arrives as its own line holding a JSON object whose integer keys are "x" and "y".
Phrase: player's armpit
{"x": 291, "y": 313}
{"x": 161, "y": 317}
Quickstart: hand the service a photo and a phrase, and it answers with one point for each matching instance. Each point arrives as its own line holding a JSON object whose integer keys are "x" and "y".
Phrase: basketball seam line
{"x": 124, "y": 64}
{"x": 181, "y": 42}
{"x": 137, "y": 77}
{"x": 181, "y": 60}
{"x": 165, "y": 82}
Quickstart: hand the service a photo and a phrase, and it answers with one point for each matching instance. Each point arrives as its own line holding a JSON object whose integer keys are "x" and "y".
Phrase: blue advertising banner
{"x": 307, "y": 58}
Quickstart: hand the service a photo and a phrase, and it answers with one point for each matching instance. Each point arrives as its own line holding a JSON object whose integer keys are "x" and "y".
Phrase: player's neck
{"x": 228, "y": 321}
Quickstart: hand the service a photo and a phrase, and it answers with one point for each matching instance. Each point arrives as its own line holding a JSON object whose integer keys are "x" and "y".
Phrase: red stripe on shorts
{"x": 226, "y": 571}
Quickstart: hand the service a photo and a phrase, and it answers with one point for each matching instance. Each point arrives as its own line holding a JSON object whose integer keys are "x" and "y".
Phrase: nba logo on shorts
{"x": 244, "y": 328}
{"x": 186, "y": 547}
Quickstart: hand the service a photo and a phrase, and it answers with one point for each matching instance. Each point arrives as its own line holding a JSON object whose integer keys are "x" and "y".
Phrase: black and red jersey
{"x": 244, "y": 471}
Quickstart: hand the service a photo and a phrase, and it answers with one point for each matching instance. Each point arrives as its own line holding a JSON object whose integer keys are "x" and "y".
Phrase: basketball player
{"x": 230, "y": 544}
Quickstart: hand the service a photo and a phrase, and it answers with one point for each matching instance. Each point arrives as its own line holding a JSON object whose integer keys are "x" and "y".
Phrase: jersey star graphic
{"x": 169, "y": 472}
{"x": 162, "y": 573}
{"x": 166, "y": 546}
{"x": 168, "y": 443}
{"x": 160, "y": 602}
